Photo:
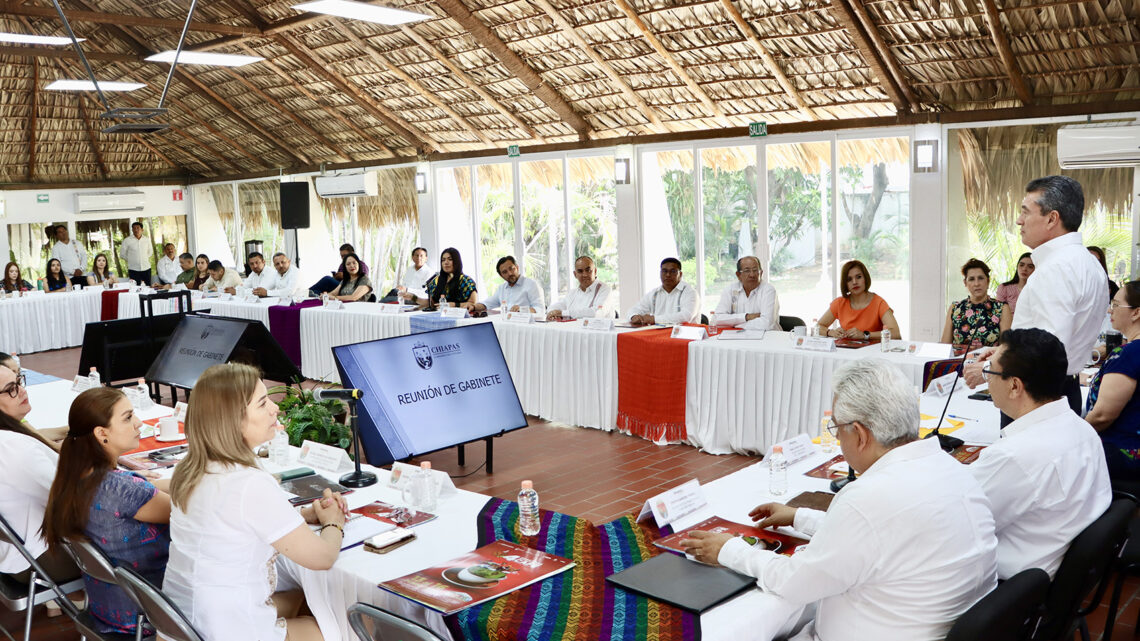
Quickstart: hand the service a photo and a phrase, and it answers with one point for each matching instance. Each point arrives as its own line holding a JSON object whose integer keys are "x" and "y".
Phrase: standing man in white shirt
{"x": 1046, "y": 477}
{"x": 901, "y": 553}
{"x": 519, "y": 293}
{"x": 587, "y": 298}
{"x": 259, "y": 280}
{"x": 168, "y": 267}
{"x": 71, "y": 254}
{"x": 1066, "y": 293}
{"x": 673, "y": 302}
{"x": 749, "y": 302}
{"x": 137, "y": 250}
{"x": 286, "y": 282}
{"x": 416, "y": 278}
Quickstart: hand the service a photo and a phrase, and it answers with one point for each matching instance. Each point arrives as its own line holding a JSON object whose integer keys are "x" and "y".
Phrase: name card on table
{"x": 123, "y": 284}
{"x": 519, "y": 317}
{"x": 334, "y": 304}
{"x": 390, "y": 308}
{"x": 401, "y": 472}
{"x": 251, "y": 299}
{"x": 795, "y": 449}
{"x": 225, "y": 297}
{"x": 676, "y": 503}
{"x": 599, "y": 324}
{"x": 80, "y": 384}
{"x": 180, "y": 411}
{"x": 814, "y": 343}
{"x": 689, "y": 332}
{"x": 35, "y": 292}
{"x": 454, "y": 312}
{"x": 937, "y": 351}
{"x": 325, "y": 457}
{"x": 178, "y": 287}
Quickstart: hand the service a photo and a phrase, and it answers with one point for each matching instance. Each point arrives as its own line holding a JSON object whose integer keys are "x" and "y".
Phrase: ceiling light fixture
{"x": 87, "y": 85}
{"x": 361, "y": 11}
{"x": 29, "y": 39}
{"x": 205, "y": 58}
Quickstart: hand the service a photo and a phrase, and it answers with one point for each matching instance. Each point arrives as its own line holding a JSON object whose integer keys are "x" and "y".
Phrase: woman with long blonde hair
{"x": 231, "y": 520}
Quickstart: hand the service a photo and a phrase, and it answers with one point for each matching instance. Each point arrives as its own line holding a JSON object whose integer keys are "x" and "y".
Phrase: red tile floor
{"x": 588, "y": 473}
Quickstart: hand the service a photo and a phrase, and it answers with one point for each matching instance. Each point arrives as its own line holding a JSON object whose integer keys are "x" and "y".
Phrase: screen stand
{"x": 357, "y": 478}
{"x": 462, "y": 454}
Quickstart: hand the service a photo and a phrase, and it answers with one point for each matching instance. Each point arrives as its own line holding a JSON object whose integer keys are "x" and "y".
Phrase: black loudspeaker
{"x": 295, "y": 205}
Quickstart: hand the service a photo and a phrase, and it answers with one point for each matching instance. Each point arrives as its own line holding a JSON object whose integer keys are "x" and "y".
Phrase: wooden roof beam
{"x": 401, "y": 127}
{"x": 673, "y": 63}
{"x": 482, "y": 34}
{"x": 289, "y": 114}
{"x": 474, "y": 86}
{"x": 427, "y": 94}
{"x": 192, "y": 113}
{"x": 155, "y": 151}
{"x": 770, "y": 61}
{"x": 572, "y": 33}
{"x": 91, "y": 138}
{"x": 275, "y": 68}
{"x": 1008, "y": 60}
{"x": 32, "y": 119}
{"x": 67, "y": 54}
{"x": 845, "y": 14}
{"x": 99, "y": 17}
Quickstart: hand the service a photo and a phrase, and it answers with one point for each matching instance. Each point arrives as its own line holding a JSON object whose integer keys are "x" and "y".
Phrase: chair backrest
{"x": 1085, "y": 568}
{"x": 373, "y": 624}
{"x": 1007, "y": 613}
{"x": 788, "y": 323}
{"x": 9, "y": 536}
{"x": 160, "y": 611}
{"x": 91, "y": 560}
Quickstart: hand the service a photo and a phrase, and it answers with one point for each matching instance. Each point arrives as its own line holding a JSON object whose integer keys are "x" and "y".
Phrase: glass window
{"x": 593, "y": 218}
{"x": 453, "y": 205}
{"x": 668, "y": 206}
{"x": 30, "y": 247}
{"x": 495, "y": 211}
{"x": 728, "y": 203}
{"x": 874, "y": 216}
{"x": 106, "y": 237}
{"x": 799, "y": 231}
{"x": 544, "y": 225}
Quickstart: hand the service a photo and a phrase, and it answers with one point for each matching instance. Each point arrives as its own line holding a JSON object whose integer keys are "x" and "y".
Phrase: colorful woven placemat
{"x": 578, "y": 604}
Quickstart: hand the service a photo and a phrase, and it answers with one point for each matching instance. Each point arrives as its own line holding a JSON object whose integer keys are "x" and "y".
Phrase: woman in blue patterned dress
{"x": 978, "y": 317}
{"x": 122, "y": 513}
{"x": 1113, "y": 407}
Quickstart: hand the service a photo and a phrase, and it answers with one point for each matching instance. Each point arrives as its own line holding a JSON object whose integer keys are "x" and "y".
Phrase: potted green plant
{"x": 307, "y": 419}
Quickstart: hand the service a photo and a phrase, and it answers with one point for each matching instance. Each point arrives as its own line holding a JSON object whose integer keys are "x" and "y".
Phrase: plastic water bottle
{"x": 600, "y": 312}
{"x": 94, "y": 379}
{"x": 826, "y": 440}
{"x": 143, "y": 400}
{"x": 503, "y": 308}
{"x": 279, "y": 449}
{"x": 813, "y": 330}
{"x": 443, "y": 304}
{"x": 885, "y": 342}
{"x": 777, "y": 472}
{"x": 430, "y": 489}
{"x": 529, "y": 522}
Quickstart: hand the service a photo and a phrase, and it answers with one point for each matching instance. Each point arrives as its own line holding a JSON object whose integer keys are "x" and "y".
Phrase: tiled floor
{"x": 588, "y": 473}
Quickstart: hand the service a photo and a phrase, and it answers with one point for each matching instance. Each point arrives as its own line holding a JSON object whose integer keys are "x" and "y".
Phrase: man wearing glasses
{"x": 900, "y": 554}
{"x": 1046, "y": 477}
{"x": 749, "y": 302}
{"x": 673, "y": 302}
{"x": 587, "y": 298}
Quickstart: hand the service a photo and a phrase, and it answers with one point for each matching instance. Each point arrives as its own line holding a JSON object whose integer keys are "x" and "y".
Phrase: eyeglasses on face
{"x": 833, "y": 427}
{"x": 1114, "y": 305}
{"x": 13, "y": 388}
{"x": 750, "y": 270}
{"x": 990, "y": 372}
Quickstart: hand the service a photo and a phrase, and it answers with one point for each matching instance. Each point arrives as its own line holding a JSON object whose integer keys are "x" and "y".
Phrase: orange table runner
{"x": 151, "y": 443}
{"x": 651, "y": 384}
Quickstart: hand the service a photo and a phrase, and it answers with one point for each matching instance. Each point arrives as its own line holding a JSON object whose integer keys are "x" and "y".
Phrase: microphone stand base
{"x": 358, "y": 479}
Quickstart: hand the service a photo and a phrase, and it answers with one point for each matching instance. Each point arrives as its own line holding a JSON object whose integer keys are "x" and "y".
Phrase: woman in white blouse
{"x": 231, "y": 519}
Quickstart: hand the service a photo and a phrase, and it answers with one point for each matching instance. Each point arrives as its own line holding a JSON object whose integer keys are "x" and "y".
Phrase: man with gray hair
{"x": 901, "y": 553}
{"x": 749, "y": 302}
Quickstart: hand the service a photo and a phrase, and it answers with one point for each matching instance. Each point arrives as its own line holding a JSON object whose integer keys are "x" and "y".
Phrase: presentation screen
{"x": 429, "y": 391}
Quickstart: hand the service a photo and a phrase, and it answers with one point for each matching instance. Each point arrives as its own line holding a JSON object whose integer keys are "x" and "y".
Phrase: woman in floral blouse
{"x": 976, "y": 317}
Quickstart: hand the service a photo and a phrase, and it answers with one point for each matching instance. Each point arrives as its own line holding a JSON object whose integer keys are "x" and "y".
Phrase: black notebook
{"x": 675, "y": 580}
{"x": 310, "y": 488}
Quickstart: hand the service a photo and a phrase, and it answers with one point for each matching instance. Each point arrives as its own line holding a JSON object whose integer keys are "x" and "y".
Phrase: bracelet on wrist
{"x": 336, "y": 525}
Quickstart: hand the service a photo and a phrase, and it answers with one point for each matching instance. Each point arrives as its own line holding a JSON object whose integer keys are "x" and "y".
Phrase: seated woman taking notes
{"x": 231, "y": 519}
{"x": 861, "y": 313}
{"x": 122, "y": 513}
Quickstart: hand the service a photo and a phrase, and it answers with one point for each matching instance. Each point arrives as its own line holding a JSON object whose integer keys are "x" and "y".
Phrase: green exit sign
{"x": 513, "y": 151}
{"x": 41, "y": 198}
{"x": 758, "y": 129}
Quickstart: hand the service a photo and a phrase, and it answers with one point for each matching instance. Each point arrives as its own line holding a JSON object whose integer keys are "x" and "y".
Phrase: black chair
{"x": 1006, "y": 614}
{"x": 370, "y": 623}
{"x": 40, "y": 588}
{"x": 788, "y": 323}
{"x": 704, "y": 319}
{"x": 1084, "y": 571}
{"x": 94, "y": 563}
{"x": 160, "y": 611}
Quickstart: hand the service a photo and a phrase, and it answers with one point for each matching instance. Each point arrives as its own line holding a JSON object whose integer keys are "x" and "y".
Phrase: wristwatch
{"x": 866, "y": 336}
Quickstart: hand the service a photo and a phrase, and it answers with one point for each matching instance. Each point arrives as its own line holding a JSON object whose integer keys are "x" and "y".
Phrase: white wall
{"x": 928, "y": 242}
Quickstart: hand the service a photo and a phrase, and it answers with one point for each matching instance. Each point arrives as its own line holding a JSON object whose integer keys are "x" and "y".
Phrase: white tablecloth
{"x": 258, "y": 311}
{"x": 41, "y": 322}
{"x": 744, "y": 395}
{"x": 130, "y": 305}
{"x": 322, "y": 329}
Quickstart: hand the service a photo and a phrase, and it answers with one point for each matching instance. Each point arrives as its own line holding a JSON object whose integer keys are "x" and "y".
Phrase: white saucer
{"x": 175, "y": 439}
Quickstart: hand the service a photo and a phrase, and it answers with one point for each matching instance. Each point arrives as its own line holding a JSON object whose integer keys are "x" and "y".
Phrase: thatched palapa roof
{"x": 480, "y": 75}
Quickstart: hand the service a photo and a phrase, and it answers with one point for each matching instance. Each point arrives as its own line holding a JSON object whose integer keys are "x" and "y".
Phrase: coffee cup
{"x": 168, "y": 428}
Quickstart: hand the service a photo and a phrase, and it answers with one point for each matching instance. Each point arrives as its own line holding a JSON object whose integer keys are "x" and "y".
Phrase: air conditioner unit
{"x": 104, "y": 202}
{"x": 1098, "y": 145}
{"x": 347, "y": 186}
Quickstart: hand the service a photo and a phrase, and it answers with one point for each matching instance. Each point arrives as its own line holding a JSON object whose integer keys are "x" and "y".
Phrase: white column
{"x": 629, "y": 239}
{"x": 928, "y": 239}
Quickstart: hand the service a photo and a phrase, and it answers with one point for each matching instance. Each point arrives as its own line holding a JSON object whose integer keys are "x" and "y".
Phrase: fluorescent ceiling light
{"x": 87, "y": 85}
{"x": 361, "y": 11}
{"x": 28, "y": 39}
{"x": 205, "y": 58}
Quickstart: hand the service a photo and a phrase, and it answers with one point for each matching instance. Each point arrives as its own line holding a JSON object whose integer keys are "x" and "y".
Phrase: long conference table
{"x": 355, "y": 576}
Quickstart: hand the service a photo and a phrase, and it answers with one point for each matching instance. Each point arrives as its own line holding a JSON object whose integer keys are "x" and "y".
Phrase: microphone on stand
{"x": 358, "y": 477}
{"x": 945, "y": 441}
